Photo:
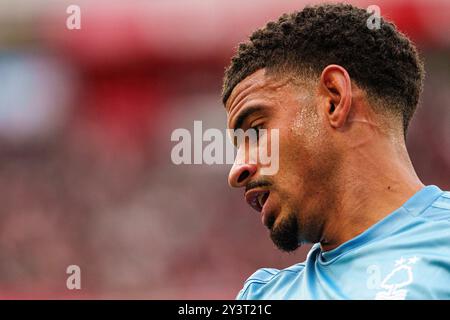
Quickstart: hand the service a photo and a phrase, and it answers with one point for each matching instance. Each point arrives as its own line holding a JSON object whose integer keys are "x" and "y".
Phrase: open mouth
{"x": 257, "y": 198}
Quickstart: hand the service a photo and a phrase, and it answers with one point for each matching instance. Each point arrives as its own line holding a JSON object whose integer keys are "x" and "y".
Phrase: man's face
{"x": 293, "y": 202}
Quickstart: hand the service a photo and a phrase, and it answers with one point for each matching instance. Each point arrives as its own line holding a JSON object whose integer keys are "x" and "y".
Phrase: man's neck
{"x": 377, "y": 179}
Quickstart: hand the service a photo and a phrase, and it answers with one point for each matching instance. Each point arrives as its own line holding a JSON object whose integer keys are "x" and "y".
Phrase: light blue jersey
{"x": 406, "y": 255}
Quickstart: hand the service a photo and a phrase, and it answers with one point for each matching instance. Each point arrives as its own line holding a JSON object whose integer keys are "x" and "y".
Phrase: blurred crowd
{"x": 85, "y": 122}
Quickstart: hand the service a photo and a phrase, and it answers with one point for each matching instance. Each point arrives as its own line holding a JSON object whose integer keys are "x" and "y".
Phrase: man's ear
{"x": 336, "y": 88}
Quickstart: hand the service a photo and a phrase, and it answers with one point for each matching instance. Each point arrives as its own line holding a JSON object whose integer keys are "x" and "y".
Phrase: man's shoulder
{"x": 259, "y": 281}
{"x": 267, "y": 274}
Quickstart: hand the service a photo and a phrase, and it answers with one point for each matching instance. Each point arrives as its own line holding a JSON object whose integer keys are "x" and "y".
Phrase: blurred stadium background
{"x": 85, "y": 123}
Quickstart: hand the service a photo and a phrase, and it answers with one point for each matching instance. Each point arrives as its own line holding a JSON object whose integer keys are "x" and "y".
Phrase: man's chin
{"x": 284, "y": 233}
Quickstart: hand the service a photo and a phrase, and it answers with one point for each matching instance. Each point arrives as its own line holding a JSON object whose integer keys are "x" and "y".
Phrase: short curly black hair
{"x": 383, "y": 61}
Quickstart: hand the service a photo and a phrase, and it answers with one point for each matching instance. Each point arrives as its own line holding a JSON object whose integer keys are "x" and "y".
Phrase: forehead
{"x": 258, "y": 85}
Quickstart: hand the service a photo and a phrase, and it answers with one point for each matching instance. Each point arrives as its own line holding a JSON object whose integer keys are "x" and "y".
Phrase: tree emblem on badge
{"x": 400, "y": 277}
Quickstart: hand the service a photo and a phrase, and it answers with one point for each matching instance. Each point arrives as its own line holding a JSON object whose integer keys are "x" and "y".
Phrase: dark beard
{"x": 285, "y": 233}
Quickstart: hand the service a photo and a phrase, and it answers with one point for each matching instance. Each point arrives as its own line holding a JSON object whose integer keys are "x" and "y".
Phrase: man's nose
{"x": 240, "y": 174}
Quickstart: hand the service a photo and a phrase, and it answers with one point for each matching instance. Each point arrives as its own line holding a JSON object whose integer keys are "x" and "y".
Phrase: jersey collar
{"x": 414, "y": 206}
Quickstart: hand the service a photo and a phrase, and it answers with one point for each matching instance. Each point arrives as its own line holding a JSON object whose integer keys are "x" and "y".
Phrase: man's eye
{"x": 257, "y": 128}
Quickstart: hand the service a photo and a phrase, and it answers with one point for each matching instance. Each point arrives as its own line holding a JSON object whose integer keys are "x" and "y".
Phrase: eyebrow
{"x": 242, "y": 116}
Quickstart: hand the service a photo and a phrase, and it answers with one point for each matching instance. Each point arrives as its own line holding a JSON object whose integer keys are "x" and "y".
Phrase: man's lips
{"x": 257, "y": 198}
